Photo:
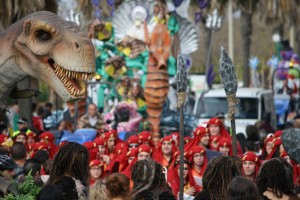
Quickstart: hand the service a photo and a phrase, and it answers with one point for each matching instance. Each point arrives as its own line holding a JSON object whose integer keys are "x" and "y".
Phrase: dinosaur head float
{"x": 55, "y": 51}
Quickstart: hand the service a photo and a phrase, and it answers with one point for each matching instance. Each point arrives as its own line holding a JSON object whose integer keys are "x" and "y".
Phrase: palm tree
{"x": 247, "y": 10}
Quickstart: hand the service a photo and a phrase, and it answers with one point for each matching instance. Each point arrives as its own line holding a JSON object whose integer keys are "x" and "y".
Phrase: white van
{"x": 253, "y": 104}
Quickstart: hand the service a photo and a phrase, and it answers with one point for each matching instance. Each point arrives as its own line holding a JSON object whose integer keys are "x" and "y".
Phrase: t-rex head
{"x": 56, "y": 52}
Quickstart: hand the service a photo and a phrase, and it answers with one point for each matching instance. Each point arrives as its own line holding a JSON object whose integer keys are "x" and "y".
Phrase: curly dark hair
{"x": 218, "y": 175}
{"x": 149, "y": 181}
{"x": 72, "y": 160}
{"x": 277, "y": 175}
{"x": 242, "y": 188}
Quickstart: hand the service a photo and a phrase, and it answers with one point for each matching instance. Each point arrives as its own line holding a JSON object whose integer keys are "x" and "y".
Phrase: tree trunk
{"x": 25, "y": 104}
{"x": 246, "y": 30}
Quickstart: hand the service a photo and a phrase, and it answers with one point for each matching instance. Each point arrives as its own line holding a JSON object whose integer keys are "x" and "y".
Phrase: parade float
{"x": 136, "y": 56}
{"x": 285, "y": 82}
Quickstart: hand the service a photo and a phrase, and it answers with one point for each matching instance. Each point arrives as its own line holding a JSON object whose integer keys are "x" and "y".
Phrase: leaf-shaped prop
{"x": 290, "y": 140}
{"x": 227, "y": 73}
{"x": 181, "y": 80}
{"x": 229, "y": 80}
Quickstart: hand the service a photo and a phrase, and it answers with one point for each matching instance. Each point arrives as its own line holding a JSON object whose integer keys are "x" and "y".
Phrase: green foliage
{"x": 27, "y": 190}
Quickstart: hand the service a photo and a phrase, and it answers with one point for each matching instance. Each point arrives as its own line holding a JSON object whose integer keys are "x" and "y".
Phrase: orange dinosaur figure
{"x": 157, "y": 85}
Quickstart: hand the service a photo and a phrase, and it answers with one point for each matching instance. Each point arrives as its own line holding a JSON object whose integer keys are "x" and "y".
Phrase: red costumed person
{"x": 225, "y": 146}
{"x": 48, "y": 138}
{"x": 216, "y": 127}
{"x": 198, "y": 162}
{"x": 189, "y": 182}
{"x": 92, "y": 149}
{"x": 96, "y": 171}
{"x": 165, "y": 152}
{"x": 201, "y": 138}
{"x": 251, "y": 164}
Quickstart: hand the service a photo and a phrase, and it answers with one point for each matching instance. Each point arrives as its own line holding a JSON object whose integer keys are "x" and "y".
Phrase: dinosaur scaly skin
{"x": 48, "y": 48}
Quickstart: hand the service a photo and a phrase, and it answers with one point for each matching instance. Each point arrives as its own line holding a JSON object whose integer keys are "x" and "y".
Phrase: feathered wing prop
{"x": 181, "y": 80}
{"x": 124, "y": 24}
{"x": 123, "y": 21}
{"x": 229, "y": 80}
{"x": 188, "y": 36}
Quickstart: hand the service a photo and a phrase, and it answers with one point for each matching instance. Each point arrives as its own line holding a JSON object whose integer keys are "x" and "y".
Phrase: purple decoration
{"x": 177, "y": 2}
{"x": 111, "y": 2}
{"x": 95, "y": 3}
{"x": 203, "y": 3}
{"x": 210, "y": 75}
{"x": 198, "y": 17}
{"x": 98, "y": 13}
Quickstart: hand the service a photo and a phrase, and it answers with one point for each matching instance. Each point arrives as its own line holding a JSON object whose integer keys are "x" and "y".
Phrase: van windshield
{"x": 210, "y": 106}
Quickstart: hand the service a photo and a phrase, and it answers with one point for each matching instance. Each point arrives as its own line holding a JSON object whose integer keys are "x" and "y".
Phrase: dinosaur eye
{"x": 43, "y": 35}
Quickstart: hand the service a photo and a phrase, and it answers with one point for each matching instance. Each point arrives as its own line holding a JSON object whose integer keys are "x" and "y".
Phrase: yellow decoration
{"x": 126, "y": 51}
{"x": 106, "y": 33}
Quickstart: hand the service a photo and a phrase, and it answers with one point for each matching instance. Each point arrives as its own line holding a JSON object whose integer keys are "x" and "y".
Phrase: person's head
{"x": 41, "y": 156}
{"x": 101, "y": 145}
{"x": 197, "y": 156}
{"x": 144, "y": 152}
{"x": 221, "y": 116}
{"x": 145, "y": 137}
{"x": 33, "y": 166}
{"x": 48, "y": 106}
{"x": 47, "y": 166}
{"x": 65, "y": 125}
{"x": 186, "y": 168}
{"x": 110, "y": 139}
{"x": 47, "y": 137}
{"x": 166, "y": 145}
{"x": 98, "y": 191}
{"x": 202, "y": 135}
{"x": 18, "y": 151}
{"x": 133, "y": 142}
{"x": 219, "y": 173}
{"x": 225, "y": 146}
{"x": 71, "y": 160}
{"x": 276, "y": 175}
{"x": 21, "y": 137}
{"x": 242, "y": 188}
{"x": 117, "y": 185}
{"x": 148, "y": 175}
{"x": 251, "y": 164}
{"x": 214, "y": 126}
{"x": 4, "y": 129}
{"x": 22, "y": 124}
{"x": 31, "y": 137}
{"x": 92, "y": 110}
{"x": 252, "y": 133}
{"x": 96, "y": 169}
{"x": 50, "y": 192}
{"x": 7, "y": 166}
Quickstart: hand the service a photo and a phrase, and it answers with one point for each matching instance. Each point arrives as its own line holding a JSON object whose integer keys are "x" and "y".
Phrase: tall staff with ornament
{"x": 181, "y": 81}
{"x": 229, "y": 80}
